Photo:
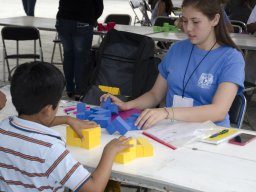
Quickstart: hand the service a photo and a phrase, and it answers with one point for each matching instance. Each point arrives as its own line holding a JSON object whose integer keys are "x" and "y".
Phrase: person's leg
{"x": 65, "y": 30}
{"x": 31, "y": 7}
{"x": 82, "y": 45}
{"x": 25, "y": 5}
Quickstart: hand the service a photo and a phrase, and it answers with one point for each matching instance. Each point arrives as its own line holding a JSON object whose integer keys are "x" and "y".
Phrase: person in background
{"x": 239, "y": 9}
{"x": 161, "y": 8}
{"x": 199, "y": 77}
{"x": 34, "y": 156}
{"x": 75, "y": 22}
{"x": 29, "y": 7}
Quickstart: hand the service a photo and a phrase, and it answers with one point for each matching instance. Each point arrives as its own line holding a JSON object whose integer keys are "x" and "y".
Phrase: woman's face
{"x": 198, "y": 27}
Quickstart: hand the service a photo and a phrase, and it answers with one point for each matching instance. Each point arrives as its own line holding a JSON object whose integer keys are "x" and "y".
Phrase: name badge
{"x": 179, "y": 101}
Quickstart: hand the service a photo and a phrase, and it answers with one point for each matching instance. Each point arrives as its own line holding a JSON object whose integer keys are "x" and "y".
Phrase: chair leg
{"x": 53, "y": 52}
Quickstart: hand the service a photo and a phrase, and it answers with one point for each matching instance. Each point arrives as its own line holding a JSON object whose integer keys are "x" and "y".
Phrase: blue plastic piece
{"x": 103, "y": 121}
{"x": 111, "y": 128}
{"x": 121, "y": 126}
{"x": 80, "y": 107}
{"x": 113, "y": 108}
{"x": 106, "y": 104}
{"x": 105, "y": 112}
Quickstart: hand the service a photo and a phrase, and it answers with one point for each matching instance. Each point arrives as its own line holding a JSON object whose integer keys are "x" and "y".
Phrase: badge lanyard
{"x": 185, "y": 84}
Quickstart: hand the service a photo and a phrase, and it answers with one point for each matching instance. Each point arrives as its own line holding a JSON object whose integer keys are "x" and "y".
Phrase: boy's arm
{"x": 76, "y": 124}
{"x": 101, "y": 175}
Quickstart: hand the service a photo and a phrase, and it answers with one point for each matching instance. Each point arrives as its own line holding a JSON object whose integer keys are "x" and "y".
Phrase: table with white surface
{"x": 244, "y": 41}
{"x": 48, "y": 24}
{"x": 194, "y": 167}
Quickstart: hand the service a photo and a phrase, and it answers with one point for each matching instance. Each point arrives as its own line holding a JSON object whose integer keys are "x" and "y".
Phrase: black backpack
{"x": 124, "y": 60}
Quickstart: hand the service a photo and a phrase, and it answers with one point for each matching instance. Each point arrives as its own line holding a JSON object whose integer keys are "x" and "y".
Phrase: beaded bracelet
{"x": 168, "y": 113}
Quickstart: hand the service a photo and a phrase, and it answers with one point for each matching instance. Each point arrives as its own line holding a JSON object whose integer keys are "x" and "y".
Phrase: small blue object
{"x": 113, "y": 108}
{"x": 121, "y": 126}
{"x": 92, "y": 116}
{"x": 80, "y": 116}
{"x": 94, "y": 109}
{"x": 105, "y": 112}
{"x": 133, "y": 127}
{"x": 103, "y": 121}
{"x": 111, "y": 128}
{"x": 105, "y": 103}
{"x": 80, "y": 107}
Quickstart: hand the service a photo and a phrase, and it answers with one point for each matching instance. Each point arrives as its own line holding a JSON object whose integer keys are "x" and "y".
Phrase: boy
{"x": 33, "y": 156}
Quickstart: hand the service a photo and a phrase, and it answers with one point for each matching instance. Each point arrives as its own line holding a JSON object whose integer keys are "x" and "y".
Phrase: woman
{"x": 161, "y": 8}
{"x": 199, "y": 76}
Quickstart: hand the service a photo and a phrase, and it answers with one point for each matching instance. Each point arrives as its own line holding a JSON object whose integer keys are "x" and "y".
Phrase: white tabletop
{"x": 244, "y": 41}
{"x": 195, "y": 167}
{"x": 48, "y": 24}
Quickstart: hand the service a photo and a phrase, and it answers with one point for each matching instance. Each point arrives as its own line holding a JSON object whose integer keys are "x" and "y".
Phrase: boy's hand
{"x": 78, "y": 125}
{"x": 117, "y": 145}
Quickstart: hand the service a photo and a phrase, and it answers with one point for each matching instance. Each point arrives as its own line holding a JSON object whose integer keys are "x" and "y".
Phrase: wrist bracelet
{"x": 168, "y": 114}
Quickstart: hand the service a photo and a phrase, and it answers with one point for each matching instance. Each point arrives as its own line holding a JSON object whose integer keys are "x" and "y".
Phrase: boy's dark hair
{"x": 35, "y": 85}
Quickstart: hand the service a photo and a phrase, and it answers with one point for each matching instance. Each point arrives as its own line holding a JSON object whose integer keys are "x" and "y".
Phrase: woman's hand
{"x": 149, "y": 117}
{"x": 122, "y": 105}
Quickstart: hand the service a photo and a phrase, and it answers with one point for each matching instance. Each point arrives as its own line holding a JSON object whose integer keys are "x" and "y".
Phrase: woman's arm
{"x": 216, "y": 111}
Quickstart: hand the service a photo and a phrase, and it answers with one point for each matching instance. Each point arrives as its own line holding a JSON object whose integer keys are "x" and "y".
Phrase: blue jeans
{"x": 76, "y": 38}
{"x": 29, "y": 7}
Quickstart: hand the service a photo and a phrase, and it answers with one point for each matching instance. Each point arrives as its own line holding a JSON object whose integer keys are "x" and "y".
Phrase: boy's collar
{"x": 32, "y": 127}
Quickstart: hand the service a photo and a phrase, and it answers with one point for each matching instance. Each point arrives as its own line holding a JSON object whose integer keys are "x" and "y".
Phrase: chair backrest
{"x": 20, "y": 33}
{"x": 17, "y": 34}
{"x": 123, "y": 19}
{"x": 241, "y": 24}
{"x": 237, "y": 28}
{"x": 237, "y": 111}
{"x": 164, "y": 19}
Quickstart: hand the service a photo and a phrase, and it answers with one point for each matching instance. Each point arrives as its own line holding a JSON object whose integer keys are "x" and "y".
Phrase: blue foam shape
{"x": 103, "y": 121}
{"x": 87, "y": 113}
{"x": 135, "y": 115}
{"x": 131, "y": 119}
{"x": 105, "y": 112}
{"x": 121, "y": 126}
{"x": 92, "y": 116}
{"x": 113, "y": 108}
{"x": 111, "y": 128}
{"x": 133, "y": 127}
{"x": 94, "y": 109}
{"x": 80, "y": 107}
{"x": 81, "y": 116}
{"x": 106, "y": 104}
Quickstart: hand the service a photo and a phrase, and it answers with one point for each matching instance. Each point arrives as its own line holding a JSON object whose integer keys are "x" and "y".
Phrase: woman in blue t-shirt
{"x": 199, "y": 77}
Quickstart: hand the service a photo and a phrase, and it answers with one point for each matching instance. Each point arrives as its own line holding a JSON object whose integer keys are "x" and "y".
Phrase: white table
{"x": 244, "y": 41}
{"x": 48, "y": 24}
{"x": 194, "y": 167}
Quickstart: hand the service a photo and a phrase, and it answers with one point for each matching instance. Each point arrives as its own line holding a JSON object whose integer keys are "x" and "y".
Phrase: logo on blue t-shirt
{"x": 205, "y": 80}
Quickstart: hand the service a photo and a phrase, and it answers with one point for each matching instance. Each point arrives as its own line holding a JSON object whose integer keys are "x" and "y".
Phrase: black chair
{"x": 237, "y": 28}
{"x": 237, "y": 111}
{"x": 20, "y": 34}
{"x": 164, "y": 19}
{"x": 122, "y": 19}
{"x": 57, "y": 42}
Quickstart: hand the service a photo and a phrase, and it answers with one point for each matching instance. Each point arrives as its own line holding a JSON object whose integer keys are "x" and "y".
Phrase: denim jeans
{"x": 29, "y": 7}
{"x": 76, "y": 38}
